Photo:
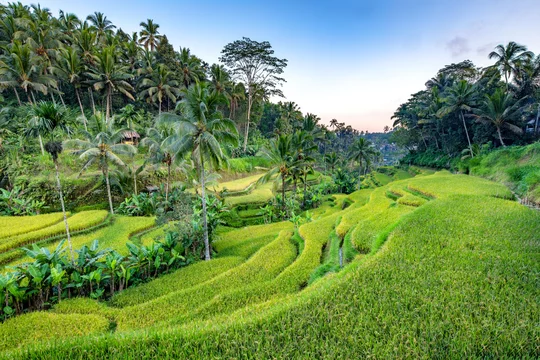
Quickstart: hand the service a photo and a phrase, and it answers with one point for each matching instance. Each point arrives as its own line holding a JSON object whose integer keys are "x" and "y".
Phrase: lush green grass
{"x": 114, "y": 236}
{"x": 517, "y": 166}
{"x": 237, "y": 185}
{"x": 79, "y": 221}
{"x": 259, "y": 195}
{"x": 452, "y": 277}
{"x": 180, "y": 279}
{"x": 16, "y": 225}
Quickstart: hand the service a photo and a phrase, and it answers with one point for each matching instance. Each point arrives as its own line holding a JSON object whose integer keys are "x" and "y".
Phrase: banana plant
{"x": 57, "y": 278}
{"x": 112, "y": 262}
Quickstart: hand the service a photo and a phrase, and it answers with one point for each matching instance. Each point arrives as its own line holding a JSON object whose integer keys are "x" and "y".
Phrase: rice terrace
{"x": 163, "y": 196}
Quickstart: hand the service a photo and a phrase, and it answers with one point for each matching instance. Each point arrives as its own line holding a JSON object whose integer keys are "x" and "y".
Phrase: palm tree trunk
{"x": 52, "y": 98}
{"x": 168, "y": 181}
{"x": 41, "y": 144}
{"x": 250, "y": 101}
{"x": 106, "y": 174}
{"x": 305, "y": 190}
{"x": 205, "y": 221}
{"x": 92, "y": 100}
{"x": 500, "y": 138}
{"x": 536, "y": 123}
{"x": 62, "y": 100}
{"x": 17, "y": 96}
{"x": 59, "y": 185}
{"x": 134, "y": 176}
{"x": 108, "y": 106}
{"x": 81, "y": 107}
{"x": 159, "y": 112}
{"x": 466, "y": 133}
{"x": 283, "y": 193}
{"x": 33, "y": 97}
{"x": 359, "y": 175}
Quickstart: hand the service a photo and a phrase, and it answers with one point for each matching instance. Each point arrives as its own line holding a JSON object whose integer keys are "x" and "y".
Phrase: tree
{"x": 460, "y": 98}
{"x": 149, "y": 34}
{"x": 48, "y": 119}
{"x": 110, "y": 75}
{"x": 69, "y": 67}
{"x": 161, "y": 147}
{"x": 21, "y": 68}
{"x": 190, "y": 67}
{"x": 101, "y": 24}
{"x": 102, "y": 146}
{"x": 254, "y": 64}
{"x": 280, "y": 153}
{"x": 203, "y": 133}
{"x": 362, "y": 152}
{"x": 500, "y": 110}
{"x": 332, "y": 159}
{"x": 160, "y": 86}
{"x": 510, "y": 58}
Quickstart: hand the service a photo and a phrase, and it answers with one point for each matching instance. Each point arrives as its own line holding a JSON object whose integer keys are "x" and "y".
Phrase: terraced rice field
{"x": 438, "y": 266}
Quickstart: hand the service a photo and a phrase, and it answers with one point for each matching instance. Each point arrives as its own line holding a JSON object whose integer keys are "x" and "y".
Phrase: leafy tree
{"x": 149, "y": 34}
{"x": 110, "y": 75}
{"x": 160, "y": 86}
{"x": 460, "y": 98}
{"x": 363, "y": 153}
{"x": 48, "y": 119}
{"x": 255, "y": 65}
{"x": 102, "y": 146}
{"x": 204, "y": 131}
{"x": 500, "y": 110}
{"x": 509, "y": 58}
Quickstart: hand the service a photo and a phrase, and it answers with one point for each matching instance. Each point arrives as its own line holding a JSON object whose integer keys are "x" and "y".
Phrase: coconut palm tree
{"x": 500, "y": 110}
{"x": 203, "y": 132}
{"x": 110, "y": 75}
{"x": 101, "y": 24}
{"x": 159, "y": 86}
{"x": 102, "y": 146}
{"x": 49, "y": 119}
{"x": 362, "y": 152}
{"x": 332, "y": 160}
{"x": 235, "y": 94}
{"x": 281, "y": 154}
{"x": 190, "y": 67}
{"x": 509, "y": 58}
{"x": 69, "y": 67}
{"x": 161, "y": 148}
{"x": 459, "y": 99}
{"x": 149, "y": 34}
{"x": 20, "y": 68}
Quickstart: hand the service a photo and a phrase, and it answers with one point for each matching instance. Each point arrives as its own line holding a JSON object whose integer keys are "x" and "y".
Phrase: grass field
{"x": 435, "y": 266}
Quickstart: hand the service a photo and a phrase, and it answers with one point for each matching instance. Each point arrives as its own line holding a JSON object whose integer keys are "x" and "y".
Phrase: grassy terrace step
{"x": 17, "y": 225}
{"x": 181, "y": 279}
{"x": 79, "y": 221}
{"x": 114, "y": 236}
{"x": 266, "y": 264}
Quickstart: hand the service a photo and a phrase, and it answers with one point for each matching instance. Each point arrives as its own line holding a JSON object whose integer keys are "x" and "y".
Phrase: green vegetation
{"x": 207, "y": 222}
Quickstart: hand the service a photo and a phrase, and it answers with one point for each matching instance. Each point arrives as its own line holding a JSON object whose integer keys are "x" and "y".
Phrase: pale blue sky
{"x": 351, "y": 60}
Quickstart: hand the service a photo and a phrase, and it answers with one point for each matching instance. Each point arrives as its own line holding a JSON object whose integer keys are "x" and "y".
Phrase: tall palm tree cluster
{"x": 90, "y": 64}
{"x": 464, "y": 106}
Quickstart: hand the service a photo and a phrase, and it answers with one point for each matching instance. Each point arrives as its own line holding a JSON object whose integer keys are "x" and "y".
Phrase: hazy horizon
{"x": 355, "y": 61}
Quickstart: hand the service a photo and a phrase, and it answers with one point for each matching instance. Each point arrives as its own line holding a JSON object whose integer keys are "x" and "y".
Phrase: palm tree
{"x": 100, "y": 22}
{"x": 102, "y": 145}
{"x": 460, "y": 98}
{"x": 500, "y": 110}
{"x": 69, "y": 67}
{"x": 149, "y": 34}
{"x": 49, "y": 118}
{"x": 332, "y": 159}
{"x": 204, "y": 131}
{"x": 161, "y": 148}
{"x": 160, "y": 86}
{"x": 333, "y": 123}
{"x": 362, "y": 152}
{"x": 236, "y": 93}
{"x": 110, "y": 75}
{"x": 510, "y": 58}
{"x": 281, "y": 154}
{"x": 190, "y": 67}
{"x": 21, "y": 68}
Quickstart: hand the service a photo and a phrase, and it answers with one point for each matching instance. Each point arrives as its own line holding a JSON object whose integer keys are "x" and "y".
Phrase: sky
{"x": 355, "y": 61}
